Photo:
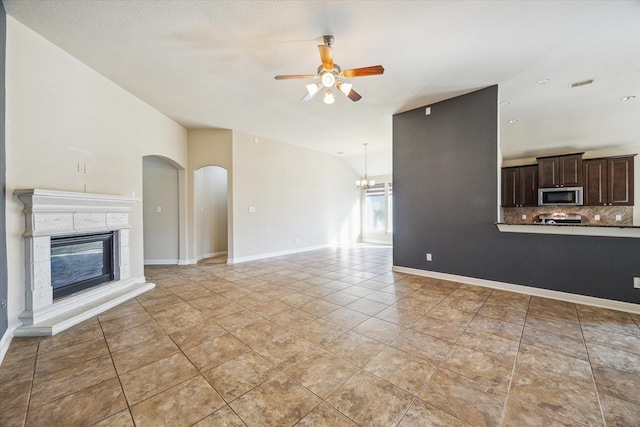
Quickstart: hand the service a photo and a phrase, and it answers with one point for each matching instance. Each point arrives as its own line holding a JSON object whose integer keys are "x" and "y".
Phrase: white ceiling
{"x": 211, "y": 64}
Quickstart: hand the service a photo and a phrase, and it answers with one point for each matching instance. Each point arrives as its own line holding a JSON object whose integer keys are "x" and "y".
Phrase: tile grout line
{"x": 593, "y": 378}
{"x": 416, "y": 397}
{"x": 116, "y": 370}
{"x": 515, "y": 363}
{"x": 33, "y": 378}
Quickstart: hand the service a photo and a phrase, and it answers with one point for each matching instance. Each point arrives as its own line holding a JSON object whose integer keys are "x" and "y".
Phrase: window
{"x": 375, "y": 212}
{"x": 377, "y": 209}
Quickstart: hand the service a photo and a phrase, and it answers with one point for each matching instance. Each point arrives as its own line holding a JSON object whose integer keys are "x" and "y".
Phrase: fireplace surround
{"x": 51, "y": 215}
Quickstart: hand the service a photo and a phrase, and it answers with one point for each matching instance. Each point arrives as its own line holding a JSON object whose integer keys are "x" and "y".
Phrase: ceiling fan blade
{"x": 296, "y": 76}
{"x": 354, "y": 96}
{"x": 362, "y": 72}
{"x": 326, "y": 55}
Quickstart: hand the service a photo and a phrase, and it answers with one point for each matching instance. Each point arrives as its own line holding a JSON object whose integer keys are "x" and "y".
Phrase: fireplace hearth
{"x": 76, "y": 257}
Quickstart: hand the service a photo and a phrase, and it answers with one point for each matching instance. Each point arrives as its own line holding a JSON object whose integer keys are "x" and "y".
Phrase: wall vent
{"x": 582, "y": 83}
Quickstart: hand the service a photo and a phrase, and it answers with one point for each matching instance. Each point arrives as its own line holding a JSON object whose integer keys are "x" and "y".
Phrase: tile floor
{"x": 327, "y": 338}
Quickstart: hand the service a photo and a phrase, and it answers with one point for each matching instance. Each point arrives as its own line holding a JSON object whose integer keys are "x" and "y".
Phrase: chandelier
{"x": 365, "y": 183}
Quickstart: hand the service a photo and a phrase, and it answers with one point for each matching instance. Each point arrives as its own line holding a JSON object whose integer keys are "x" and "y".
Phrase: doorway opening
{"x": 211, "y": 214}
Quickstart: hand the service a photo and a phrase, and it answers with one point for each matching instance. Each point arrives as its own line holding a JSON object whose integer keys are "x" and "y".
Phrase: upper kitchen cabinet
{"x": 608, "y": 181}
{"x": 520, "y": 186}
{"x": 560, "y": 171}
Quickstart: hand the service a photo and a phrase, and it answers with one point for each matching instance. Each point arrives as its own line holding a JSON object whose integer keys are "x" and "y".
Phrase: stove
{"x": 560, "y": 218}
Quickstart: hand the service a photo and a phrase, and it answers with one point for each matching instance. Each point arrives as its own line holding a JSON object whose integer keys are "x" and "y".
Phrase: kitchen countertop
{"x": 572, "y": 229}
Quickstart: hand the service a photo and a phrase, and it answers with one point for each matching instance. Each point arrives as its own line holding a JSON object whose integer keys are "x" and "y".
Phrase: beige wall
{"x": 161, "y": 211}
{"x": 207, "y": 147}
{"x": 302, "y": 198}
{"x": 61, "y": 113}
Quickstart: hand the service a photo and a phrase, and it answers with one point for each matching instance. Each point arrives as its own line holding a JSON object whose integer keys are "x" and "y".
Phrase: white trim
{"x": 211, "y": 255}
{"x": 274, "y": 254}
{"x": 572, "y": 230}
{"x": 191, "y": 261}
{"x": 545, "y": 293}
{"x": 6, "y": 341}
{"x": 161, "y": 261}
{"x": 378, "y": 242}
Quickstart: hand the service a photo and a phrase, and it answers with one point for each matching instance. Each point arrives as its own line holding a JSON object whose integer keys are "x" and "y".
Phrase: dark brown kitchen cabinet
{"x": 608, "y": 181}
{"x": 520, "y": 186}
{"x": 560, "y": 171}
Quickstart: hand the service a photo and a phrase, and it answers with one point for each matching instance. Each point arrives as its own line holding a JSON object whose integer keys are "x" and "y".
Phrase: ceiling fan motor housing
{"x": 328, "y": 40}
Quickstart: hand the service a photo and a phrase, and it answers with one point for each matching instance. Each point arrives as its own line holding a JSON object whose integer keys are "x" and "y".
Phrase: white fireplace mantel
{"x": 50, "y": 213}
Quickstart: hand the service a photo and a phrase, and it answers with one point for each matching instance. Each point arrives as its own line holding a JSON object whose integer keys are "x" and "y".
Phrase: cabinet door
{"x": 570, "y": 169}
{"x": 620, "y": 174}
{"x": 595, "y": 182}
{"x": 528, "y": 186}
{"x": 509, "y": 186}
{"x": 548, "y": 172}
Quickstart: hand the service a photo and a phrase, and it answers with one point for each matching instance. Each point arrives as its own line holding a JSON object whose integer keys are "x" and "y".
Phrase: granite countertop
{"x": 571, "y": 229}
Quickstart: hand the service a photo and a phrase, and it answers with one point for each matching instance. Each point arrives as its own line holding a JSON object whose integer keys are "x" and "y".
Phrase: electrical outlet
{"x": 429, "y": 257}
{"x": 3, "y": 303}
{"x": 524, "y": 216}
{"x": 618, "y": 217}
{"x": 597, "y": 217}
{"x": 636, "y": 282}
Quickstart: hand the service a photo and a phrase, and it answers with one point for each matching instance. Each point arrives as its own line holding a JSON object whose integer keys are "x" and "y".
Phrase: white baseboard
{"x": 274, "y": 254}
{"x": 190, "y": 261}
{"x": 211, "y": 255}
{"x": 161, "y": 262}
{"x": 529, "y": 290}
{"x": 5, "y": 341}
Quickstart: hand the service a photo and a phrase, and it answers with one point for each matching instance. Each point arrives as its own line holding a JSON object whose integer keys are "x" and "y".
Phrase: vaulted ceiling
{"x": 211, "y": 64}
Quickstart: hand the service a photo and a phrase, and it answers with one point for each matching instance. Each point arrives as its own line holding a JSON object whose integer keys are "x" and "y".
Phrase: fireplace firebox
{"x": 81, "y": 262}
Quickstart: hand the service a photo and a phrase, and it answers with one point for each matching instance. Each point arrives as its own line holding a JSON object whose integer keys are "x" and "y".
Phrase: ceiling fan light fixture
{"x": 328, "y": 79}
{"x": 313, "y": 88}
{"x": 344, "y": 87}
{"x": 329, "y": 98}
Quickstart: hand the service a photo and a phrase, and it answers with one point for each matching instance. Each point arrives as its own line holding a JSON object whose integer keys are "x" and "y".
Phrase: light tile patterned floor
{"x": 327, "y": 338}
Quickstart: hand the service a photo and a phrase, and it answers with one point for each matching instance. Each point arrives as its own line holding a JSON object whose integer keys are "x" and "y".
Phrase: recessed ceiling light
{"x": 503, "y": 103}
{"x": 628, "y": 98}
{"x": 543, "y": 81}
{"x": 513, "y": 121}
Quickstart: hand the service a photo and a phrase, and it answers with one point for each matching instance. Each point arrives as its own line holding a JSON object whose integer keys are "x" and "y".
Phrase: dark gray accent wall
{"x": 445, "y": 180}
{"x": 4, "y": 287}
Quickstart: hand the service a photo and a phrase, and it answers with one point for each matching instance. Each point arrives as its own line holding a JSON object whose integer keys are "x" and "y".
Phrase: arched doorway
{"x": 211, "y": 222}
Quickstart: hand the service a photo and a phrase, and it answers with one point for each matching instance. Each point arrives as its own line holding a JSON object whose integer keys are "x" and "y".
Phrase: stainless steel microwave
{"x": 565, "y": 196}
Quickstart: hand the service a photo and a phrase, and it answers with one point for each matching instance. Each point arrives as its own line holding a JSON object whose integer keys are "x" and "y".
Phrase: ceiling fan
{"x": 330, "y": 76}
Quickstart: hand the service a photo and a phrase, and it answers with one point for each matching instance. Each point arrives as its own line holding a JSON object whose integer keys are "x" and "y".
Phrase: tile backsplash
{"x": 607, "y": 214}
